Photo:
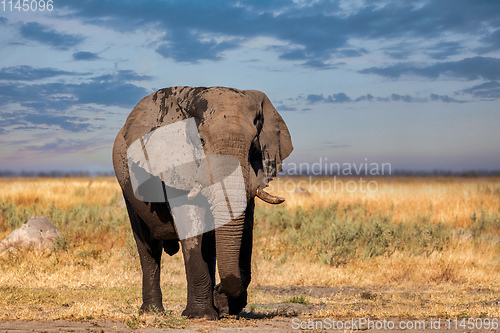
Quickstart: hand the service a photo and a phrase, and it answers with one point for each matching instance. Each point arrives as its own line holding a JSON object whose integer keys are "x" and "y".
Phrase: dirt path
{"x": 18, "y": 326}
{"x": 309, "y": 312}
{"x": 276, "y": 324}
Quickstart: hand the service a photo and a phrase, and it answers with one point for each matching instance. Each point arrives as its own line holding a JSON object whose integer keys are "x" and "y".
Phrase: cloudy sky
{"x": 412, "y": 83}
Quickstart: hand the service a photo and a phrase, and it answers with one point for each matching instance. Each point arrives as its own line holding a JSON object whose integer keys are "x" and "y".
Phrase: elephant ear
{"x": 273, "y": 139}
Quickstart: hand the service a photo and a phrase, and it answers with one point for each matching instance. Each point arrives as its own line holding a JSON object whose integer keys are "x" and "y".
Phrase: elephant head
{"x": 245, "y": 126}
{"x": 207, "y": 152}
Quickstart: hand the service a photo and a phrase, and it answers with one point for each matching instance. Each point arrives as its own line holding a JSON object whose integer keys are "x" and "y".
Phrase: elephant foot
{"x": 151, "y": 308}
{"x": 207, "y": 312}
{"x": 226, "y": 305}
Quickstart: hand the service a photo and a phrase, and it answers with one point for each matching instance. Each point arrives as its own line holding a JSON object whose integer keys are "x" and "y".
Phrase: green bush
{"x": 486, "y": 223}
{"x": 337, "y": 237}
{"x": 298, "y": 300}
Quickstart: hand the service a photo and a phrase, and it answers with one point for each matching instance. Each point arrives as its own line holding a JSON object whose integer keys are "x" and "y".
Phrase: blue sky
{"x": 412, "y": 83}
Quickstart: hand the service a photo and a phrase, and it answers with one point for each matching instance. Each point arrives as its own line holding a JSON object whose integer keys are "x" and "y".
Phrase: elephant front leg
{"x": 150, "y": 250}
{"x": 151, "y": 291}
{"x": 199, "y": 260}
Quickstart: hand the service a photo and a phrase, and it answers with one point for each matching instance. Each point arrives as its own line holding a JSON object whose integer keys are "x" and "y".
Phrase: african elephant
{"x": 190, "y": 162}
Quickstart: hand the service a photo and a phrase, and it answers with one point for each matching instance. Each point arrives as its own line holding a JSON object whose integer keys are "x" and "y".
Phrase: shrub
{"x": 338, "y": 237}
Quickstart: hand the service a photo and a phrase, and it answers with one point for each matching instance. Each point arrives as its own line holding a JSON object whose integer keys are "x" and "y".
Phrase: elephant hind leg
{"x": 171, "y": 247}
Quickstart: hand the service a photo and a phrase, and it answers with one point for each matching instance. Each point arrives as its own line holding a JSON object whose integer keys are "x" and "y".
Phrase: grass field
{"x": 406, "y": 248}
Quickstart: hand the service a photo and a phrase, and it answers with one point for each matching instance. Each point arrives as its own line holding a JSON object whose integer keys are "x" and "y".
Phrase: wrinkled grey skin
{"x": 243, "y": 124}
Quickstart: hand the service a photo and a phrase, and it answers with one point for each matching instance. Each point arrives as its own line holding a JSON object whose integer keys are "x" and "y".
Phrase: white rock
{"x": 37, "y": 233}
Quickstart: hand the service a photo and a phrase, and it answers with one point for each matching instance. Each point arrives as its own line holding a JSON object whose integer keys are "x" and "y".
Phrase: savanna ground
{"x": 406, "y": 249}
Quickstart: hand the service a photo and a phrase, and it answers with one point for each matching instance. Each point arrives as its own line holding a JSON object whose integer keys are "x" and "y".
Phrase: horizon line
{"x": 395, "y": 173}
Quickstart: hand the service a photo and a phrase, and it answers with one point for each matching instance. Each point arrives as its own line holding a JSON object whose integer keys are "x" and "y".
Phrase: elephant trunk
{"x": 228, "y": 243}
{"x": 233, "y": 185}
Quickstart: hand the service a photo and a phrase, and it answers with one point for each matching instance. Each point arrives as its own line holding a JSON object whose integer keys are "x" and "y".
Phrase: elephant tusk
{"x": 194, "y": 191}
{"x": 264, "y": 196}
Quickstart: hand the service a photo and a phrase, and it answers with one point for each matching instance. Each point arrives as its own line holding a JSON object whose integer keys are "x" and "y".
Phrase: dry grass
{"x": 63, "y": 192}
{"x": 96, "y": 272}
{"x": 443, "y": 199}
